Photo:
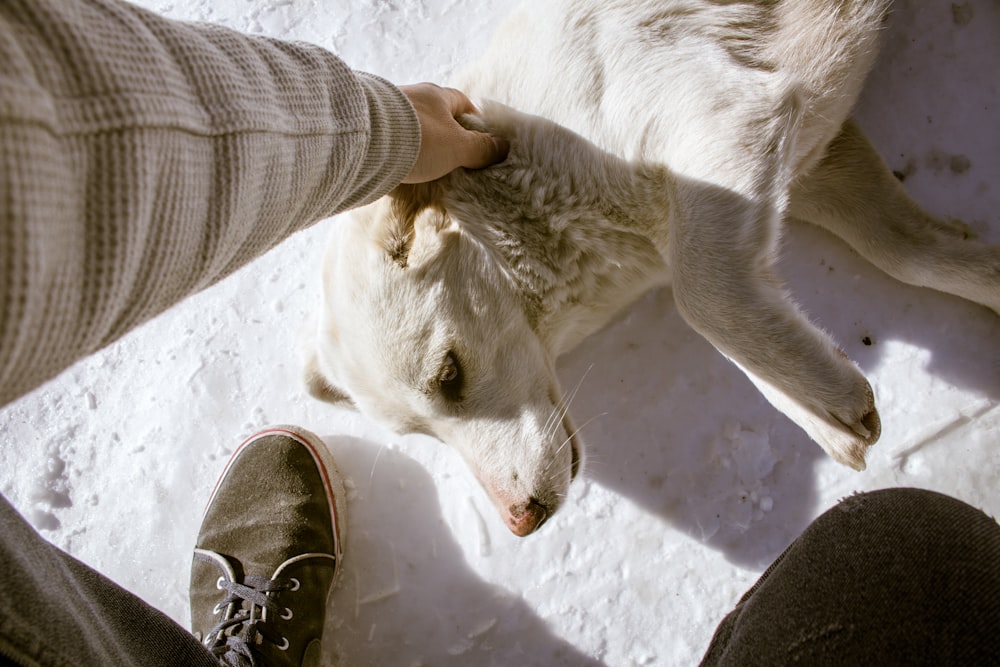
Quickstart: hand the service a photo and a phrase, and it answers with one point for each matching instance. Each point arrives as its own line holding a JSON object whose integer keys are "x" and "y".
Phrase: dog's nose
{"x": 526, "y": 518}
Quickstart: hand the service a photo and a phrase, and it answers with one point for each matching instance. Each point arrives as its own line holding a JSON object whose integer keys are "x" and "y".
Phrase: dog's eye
{"x": 450, "y": 378}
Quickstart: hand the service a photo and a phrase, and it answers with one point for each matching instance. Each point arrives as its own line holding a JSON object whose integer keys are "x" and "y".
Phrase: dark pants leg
{"x": 54, "y": 610}
{"x": 892, "y": 577}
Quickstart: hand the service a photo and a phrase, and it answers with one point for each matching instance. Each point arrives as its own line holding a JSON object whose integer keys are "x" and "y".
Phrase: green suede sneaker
{"x": 269, "y": 551}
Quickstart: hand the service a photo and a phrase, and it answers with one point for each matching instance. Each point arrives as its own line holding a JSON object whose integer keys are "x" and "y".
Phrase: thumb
{"x": 482, "y": 150}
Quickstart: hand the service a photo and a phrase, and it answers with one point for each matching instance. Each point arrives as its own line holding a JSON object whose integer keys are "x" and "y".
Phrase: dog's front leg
{"x": 721, "y": 250}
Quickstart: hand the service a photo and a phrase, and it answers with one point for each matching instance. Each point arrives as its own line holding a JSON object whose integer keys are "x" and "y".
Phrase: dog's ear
{"x": 407, "y": 203}
{"x": 320, "y": 387}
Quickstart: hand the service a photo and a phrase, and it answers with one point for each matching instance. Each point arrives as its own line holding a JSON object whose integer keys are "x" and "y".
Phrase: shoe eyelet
{"x": 286, "y": 615}
{"x": 295, "y": 584}
{"x": 219, "y": 582}
{"x": 217, "y": 608}
{"x": 283, "y": 646}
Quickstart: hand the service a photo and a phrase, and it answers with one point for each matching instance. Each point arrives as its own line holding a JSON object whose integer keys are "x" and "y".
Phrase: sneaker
{"x": 269, "y": 551}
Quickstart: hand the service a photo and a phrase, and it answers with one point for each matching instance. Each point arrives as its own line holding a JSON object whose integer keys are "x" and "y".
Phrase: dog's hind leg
{"x": 852, "y": 193}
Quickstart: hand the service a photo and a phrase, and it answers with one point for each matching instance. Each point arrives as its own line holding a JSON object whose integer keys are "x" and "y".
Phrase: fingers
{"x": 482, "y": 150}
{"x": 460, "y": 103}
{"x": 444, "y": 144}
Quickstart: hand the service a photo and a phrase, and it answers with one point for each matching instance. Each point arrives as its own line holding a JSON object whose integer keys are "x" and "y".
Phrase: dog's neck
{"x": 571, "y": 224}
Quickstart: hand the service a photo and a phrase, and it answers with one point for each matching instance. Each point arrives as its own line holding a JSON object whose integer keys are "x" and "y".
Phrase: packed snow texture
{"x": 694, "y": 483}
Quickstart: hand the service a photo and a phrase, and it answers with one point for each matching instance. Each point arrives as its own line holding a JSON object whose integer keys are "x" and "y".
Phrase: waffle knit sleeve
{"x": 143, "y": 159}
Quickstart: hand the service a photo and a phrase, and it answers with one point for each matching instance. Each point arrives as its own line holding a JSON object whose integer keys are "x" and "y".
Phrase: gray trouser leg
{"x": 54, "y": 610}
{"x": 892, "y": 577}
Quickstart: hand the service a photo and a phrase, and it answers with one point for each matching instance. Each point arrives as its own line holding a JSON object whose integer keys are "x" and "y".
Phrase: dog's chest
{"x": 576, "y": 269}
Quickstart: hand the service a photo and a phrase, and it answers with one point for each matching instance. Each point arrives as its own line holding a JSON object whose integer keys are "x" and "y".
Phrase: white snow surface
{"x": 694, "y": 483}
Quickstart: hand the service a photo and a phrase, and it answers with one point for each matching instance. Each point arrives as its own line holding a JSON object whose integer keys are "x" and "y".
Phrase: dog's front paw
{"x": 857, "y": 428}
{"x": 837, "y": 411}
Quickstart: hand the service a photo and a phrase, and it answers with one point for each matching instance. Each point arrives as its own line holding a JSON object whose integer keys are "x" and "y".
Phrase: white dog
{"x": 672, "y": 137}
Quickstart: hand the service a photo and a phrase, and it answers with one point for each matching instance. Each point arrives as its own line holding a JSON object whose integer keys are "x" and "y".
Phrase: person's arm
{"x": 142, "y": 159}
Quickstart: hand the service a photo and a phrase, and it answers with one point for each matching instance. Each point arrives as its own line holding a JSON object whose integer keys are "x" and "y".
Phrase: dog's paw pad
{"x": 852, "y": 450}
{"x": 862, "y": 428}
{"x": 872, "y": 425}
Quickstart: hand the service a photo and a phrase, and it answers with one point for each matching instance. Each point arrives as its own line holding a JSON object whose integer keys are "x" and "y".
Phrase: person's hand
{"x": 444, "y": 144}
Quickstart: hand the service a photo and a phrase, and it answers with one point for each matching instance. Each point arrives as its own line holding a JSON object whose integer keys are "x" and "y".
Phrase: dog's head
{"x": 423, "y": 329}
{"x": 445, "y": 304}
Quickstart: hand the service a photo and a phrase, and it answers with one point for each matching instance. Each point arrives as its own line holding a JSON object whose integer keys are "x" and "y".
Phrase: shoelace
{"x": 233, "y": 644}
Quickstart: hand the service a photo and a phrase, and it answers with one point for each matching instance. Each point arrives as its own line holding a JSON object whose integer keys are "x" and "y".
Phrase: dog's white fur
{"x": 687, "y": 131}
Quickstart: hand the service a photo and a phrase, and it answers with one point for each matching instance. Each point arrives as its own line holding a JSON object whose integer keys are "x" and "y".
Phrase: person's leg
{"x": 54, "y": 610}
{"x": 267, "y": 555}
{"x": 269, "y": 551}
{"x": 899, "y": 576}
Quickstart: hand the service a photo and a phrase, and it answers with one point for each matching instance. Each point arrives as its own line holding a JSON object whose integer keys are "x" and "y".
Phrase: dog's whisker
{"x": 548, "y": 429}
{"x": 378, "y": 455}
{"x": 555, "y": 418}
{"x": 572, "y": 395}
{"x": 596, "y": 463}
{"x": 559, "y": 412}
{"x": 569, "y": 439}
{"x": 580, "y": 428}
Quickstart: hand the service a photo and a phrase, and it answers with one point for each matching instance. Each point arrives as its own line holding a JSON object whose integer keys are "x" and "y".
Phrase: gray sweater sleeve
{"x": 142, "y": 159}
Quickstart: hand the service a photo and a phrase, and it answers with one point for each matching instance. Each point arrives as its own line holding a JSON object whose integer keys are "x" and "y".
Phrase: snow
{"x": 693, "y": 483}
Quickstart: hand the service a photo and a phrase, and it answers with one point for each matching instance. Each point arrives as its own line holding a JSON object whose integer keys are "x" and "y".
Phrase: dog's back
{"x": 589, "y": 65}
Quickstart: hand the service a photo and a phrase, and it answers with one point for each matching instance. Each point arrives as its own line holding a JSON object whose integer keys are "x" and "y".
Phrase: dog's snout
{"x": 527, "y": 517}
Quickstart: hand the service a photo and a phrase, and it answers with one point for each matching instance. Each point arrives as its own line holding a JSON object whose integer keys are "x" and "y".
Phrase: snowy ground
{"x": 694, "y": 482}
